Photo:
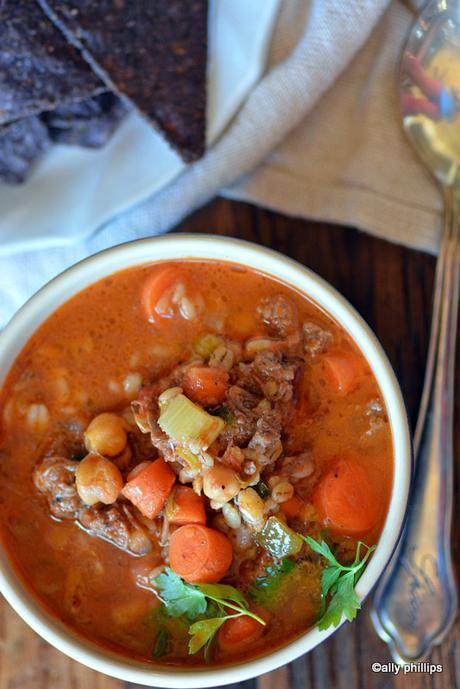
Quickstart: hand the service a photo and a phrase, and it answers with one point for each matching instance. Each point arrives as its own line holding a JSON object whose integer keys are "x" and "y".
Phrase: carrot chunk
{"x": 187, "y": 507}
{"x": 205, "y": 385}
{"x": 154, "y": 289}
{"x": 150, "y": 489}
{"x": 237, "y": 632}
{"x": 343, "y": 372}
{"x": 346, "y": 500}
{"x": 292, "y": 507}
{"x": 197, "y": 553}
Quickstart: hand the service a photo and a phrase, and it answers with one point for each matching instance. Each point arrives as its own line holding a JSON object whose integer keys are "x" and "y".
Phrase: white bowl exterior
{"x": 39, "y": 307}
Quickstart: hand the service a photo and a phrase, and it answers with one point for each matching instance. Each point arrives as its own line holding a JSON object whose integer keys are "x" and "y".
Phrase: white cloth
{"x": 318, "y": 137}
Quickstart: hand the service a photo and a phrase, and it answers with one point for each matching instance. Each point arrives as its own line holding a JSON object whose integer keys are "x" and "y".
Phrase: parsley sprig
{"x": 205, "y": 605}
{"x": 338, "y": 583}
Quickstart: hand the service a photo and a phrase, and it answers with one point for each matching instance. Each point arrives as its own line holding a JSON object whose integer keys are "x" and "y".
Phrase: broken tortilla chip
{"x": 21, "y": 144}
{"x": 154, "y": 53}
{"x": 89, "y": 123}
{"x": 39, "y": 69}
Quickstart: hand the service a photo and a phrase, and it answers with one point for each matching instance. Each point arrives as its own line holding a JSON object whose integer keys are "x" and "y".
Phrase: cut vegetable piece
{"x": 236, "y": 632}
{"x": 186, "y": 507}
{"x": 292, "y": 507}
{"x": 343, "y": 371}
{"x": 278, "y": 539}
{"x": 150, "y": 489}
{"x": 205, "y": 385}
{"x": 188, "y": 424}
{"x": 199, "y": 554}
{"x": 346, "y": 500}
{"x": 154, "y": 289}
{"x": 206, "y": 344}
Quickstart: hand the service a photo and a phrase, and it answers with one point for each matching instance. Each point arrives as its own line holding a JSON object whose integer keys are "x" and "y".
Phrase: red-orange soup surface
{"x": 163, "y": 416}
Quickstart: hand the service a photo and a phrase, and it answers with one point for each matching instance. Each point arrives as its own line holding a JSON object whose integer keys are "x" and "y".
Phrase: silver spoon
{"x": 416, "y": 601}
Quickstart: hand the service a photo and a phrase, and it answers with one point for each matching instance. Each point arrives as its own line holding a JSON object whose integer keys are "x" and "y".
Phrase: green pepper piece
{"x": 278, "y": 539}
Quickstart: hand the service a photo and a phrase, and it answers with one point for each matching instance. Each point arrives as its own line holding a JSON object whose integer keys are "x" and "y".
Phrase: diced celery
{"x": 188, "y": 424}
{"x": 206, "y": 344}
{"x": 170, "y": 507}
{"x": 192, "y": 460}
{"x": 278, "y": 539}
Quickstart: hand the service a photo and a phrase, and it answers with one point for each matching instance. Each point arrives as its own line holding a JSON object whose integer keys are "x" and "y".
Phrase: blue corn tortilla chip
{"x": 39, "y": 68}
{"x": 154, "y": 52}
{"x": 21, "y": 144}
{"x": 89, "y": 123}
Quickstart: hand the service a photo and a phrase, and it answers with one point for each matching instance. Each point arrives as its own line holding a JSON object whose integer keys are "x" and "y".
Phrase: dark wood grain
{"x": 391, "y": 287}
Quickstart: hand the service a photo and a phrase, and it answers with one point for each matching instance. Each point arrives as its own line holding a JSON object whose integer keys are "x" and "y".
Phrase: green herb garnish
{"x": 265, "y": 587}
{"x": 338, "y": 584}
{"x": 224, "y": 413}
{"x": 262, "y": 489}
{"x": 161, "y": 643}
{"x": 178, "y": 597}
{"x": 196, "y": 600}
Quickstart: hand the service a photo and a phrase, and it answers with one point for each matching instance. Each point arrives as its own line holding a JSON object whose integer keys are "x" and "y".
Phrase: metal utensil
{"x": 416, "y": 601}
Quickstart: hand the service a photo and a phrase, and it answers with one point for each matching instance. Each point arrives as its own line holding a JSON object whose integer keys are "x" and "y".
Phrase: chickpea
{"x": 98, "y": 480}
{"x": 220, "y": 483}
{"x": 106, "y": 435}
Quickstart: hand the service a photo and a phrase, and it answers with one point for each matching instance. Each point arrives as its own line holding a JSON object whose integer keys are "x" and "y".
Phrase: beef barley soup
{"x": 185, "y": 449}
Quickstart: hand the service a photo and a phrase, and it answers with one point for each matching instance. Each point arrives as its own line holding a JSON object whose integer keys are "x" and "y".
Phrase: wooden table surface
{"x": 391, "y": 287}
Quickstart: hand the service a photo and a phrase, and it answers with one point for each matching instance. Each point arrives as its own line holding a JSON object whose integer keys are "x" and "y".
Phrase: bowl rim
{"x": 207, "y": 247}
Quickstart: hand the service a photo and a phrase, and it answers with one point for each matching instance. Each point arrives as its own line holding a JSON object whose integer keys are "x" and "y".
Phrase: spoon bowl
{"x": 416, "y": 600}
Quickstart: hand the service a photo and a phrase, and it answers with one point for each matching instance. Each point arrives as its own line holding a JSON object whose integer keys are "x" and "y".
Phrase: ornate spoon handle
{"x": 416, "y": 601}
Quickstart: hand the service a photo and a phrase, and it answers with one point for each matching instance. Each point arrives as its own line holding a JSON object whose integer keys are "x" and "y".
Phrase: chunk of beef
{"x": 145, "y": 411}
{"x": 316, "y": 339}
{"x": 55, "y": 478}
{"x": 266, "y": 441}
{"x": 270, "y": 375}
{"x": 240, "y": 430}
{"x": 66, "y": 439}
{"x": 239, "y": 399}
{"x": 118, "y": 525}
{"x": 278, "y": 314}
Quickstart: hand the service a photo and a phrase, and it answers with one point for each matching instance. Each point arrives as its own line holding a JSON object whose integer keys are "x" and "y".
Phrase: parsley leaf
{"x": 203, "y": 601}
{"x": 178, "y": 597}
{"x": 265, "y": 587}
{"x": 223, "y": 592}
{"x": 338, "y": 584}
{"x": 204, "y": 631}
{"x": 161, "y": 643}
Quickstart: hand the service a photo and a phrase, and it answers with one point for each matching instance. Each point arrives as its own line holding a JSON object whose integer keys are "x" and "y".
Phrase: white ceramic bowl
{"x": 39, "y": 307}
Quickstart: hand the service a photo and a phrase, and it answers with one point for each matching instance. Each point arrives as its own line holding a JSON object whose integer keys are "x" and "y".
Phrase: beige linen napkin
{"x": 348, "y": 161}
{"x": 319, "y": 137}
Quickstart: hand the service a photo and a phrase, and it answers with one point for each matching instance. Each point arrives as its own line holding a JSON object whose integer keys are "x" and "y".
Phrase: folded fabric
{"x": 313, "y": 139}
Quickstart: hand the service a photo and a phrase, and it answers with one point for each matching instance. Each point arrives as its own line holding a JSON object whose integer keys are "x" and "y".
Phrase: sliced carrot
{"x": 343, "y": 371}
{"x": 237, "y": 632}
{"x": 154, "y": 288}
{"x": 139, "y": 468}
{"x": 197, "y": 553}
{"x": 205, "y": 384}
{"x": 346, "y": 501}
{"x": 187, "y": 507}
{"x": 292, "y": 507}
{"x": 150, "y": 489}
